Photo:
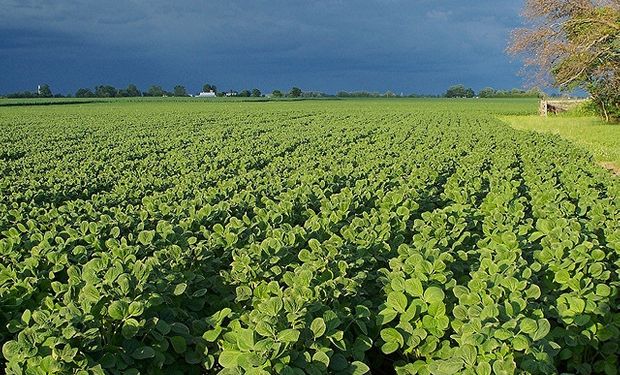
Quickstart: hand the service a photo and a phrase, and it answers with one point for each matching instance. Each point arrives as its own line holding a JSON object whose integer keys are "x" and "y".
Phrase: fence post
{"x": 543, "y": 110}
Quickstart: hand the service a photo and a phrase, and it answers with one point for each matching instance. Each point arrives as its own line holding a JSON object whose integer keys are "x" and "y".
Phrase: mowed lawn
{"x": 600, "y": 138}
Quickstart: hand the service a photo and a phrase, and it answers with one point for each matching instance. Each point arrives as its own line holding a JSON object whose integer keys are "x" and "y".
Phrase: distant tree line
{"x": 43, "y": 91}
{"x": 460, "y": 91}
{"x": 254, "y": 93}
{"x": 456, "y": 91}
{"x": 364, "y": 94}
{"x": 108, "y": 91}
{"x": 296, "y": 92}
{"x": 102, "y": 91}
{"x": 387, "y": 94}
{"x": 489, "y": 92}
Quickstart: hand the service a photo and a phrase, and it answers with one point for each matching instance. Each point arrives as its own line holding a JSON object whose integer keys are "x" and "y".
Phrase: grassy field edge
{"x": 589, "y": 132}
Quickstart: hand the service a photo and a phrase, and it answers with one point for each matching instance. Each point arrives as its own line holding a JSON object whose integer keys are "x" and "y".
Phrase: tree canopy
{"x": 487, "y": 92}
{"x": 133, "y": 91}
{"x": 84, "y": 93}
{"x": 105, "y": 91}
{"x": 45, "y": 91}
{"x": 209, "y": 87}
{"x": 155, "y": 91}
{"x": 179, "y": 91}
{"x": 573, "y": 44}
{"x": 460, "y": 91}
{"x": 295, "y": 92}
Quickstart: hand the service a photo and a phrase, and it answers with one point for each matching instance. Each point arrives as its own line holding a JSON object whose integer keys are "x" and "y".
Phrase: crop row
{"x": 302, "y": 240}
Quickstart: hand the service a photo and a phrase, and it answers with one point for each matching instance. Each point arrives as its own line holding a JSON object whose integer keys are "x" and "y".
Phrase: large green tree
{"x": 84, "y": 93}
{"x": 487, "y": 92}
{"x": 295, "y": 92}
{"x": 155, "y": 91}
{"x": 179, "y": 91}
{"x": 105, "y": 91}
{"x": 133, "y": 91}
{"x": 209, "y": 87}
{"x": 460, "y": 91}
{"x": 572, "y": 44}
{"x": 45, "y": 91}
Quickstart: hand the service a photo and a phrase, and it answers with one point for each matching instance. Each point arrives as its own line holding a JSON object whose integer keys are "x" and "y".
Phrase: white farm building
{"x": 209, "y": 94}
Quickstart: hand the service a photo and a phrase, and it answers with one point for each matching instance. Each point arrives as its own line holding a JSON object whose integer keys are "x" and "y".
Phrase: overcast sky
{"x": 405, "y": 46}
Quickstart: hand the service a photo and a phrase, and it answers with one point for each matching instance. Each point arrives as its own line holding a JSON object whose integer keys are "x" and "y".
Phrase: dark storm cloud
{"x": 414, "y": 45}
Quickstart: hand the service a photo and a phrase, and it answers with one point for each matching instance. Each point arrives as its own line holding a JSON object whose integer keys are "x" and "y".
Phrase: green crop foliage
{"x": 592, "y": 133}
{"x": 341, "y": 237}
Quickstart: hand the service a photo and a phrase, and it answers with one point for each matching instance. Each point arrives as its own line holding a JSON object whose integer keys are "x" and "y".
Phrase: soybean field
{"x": 309, "y": 237}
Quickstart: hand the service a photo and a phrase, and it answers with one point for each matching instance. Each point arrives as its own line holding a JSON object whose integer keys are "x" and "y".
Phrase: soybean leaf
{"x": 143, "y": 352}
{"x": 543, "y": 329}
{"x": 118, "y": 310}
{"x": 318, "y": 327}
{"x": 397, "y": 301}
{"x": 288, "y": 335}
